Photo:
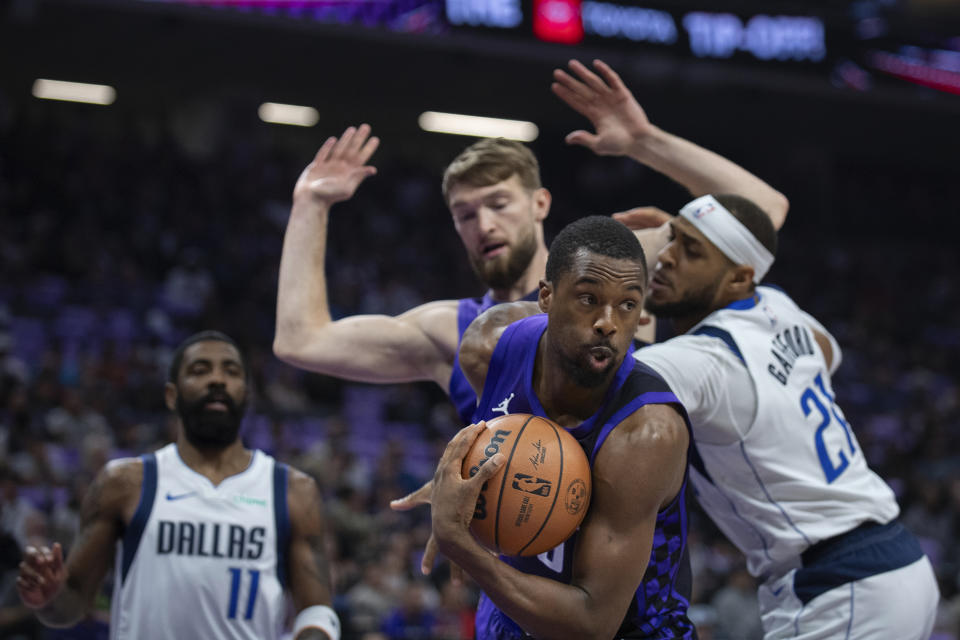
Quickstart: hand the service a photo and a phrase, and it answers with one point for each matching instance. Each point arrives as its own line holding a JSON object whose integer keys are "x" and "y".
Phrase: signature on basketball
{"x": 539, "y": 456}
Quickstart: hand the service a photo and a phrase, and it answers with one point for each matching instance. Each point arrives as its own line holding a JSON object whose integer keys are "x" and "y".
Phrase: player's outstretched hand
{"x": 42, "y": 575}
{"x": 617, "y": 117}
{"x": 338, "y": 168}
{"x": 642, "y": 218}
{"x": 414, "y": 499}
{"x": 430, "y": 552}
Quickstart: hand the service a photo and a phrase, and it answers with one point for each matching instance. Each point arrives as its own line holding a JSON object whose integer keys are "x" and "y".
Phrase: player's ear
{"x": 541, "y": 204}
{"x": 543, "y": 300}
{"x": 170, "y": 396}
{"x": 740, "y": 283}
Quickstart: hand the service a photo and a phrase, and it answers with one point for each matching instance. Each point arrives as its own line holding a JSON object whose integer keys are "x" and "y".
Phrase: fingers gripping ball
{"x": 540, "y": 495}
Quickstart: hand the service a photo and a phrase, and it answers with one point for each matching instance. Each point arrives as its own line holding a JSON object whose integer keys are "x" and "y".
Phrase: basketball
{"x": 540, "y": 495}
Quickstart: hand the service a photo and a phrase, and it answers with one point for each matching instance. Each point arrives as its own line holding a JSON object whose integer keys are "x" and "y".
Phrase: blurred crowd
{"x": 118, "y": 241}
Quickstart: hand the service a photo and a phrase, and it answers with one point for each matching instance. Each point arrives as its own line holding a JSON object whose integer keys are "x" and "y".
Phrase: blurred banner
{"x": 857, "y": 45}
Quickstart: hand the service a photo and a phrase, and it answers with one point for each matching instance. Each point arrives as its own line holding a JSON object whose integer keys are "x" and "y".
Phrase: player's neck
{"x": 529, "y": 281}
{"x": 683, "y": 324}
{"x": 216, "y": 464}
{"x": 566, "y": 403}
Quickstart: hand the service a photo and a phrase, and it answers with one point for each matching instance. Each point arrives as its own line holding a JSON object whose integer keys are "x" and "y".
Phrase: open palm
{"x": 339, "y": 167}
{"x": 617, "y": 117}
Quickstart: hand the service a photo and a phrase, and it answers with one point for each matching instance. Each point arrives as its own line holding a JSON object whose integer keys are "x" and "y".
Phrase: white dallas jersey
{"x": 776, "y": 466}
{"x": 203, "y": 561}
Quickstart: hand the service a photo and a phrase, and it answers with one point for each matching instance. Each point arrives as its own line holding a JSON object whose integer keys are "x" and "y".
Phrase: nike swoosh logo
{"x": 777, "y": 591}
{"x": 179, "y": 496}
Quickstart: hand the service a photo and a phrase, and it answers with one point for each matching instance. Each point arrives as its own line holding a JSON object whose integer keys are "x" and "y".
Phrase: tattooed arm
{"x": 62, "y": 593}
{"x": 309, "y": 569}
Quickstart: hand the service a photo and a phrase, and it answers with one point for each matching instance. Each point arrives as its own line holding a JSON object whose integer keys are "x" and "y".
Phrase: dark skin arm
{"x": 638, "y": 471}
{"x": 309, "y": 569}
{"x": 481, "y": 337}
{"x": 62, "y": 593}
{"x": 825, "y": 346}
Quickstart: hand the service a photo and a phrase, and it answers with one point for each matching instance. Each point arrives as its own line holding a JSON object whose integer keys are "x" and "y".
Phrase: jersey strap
{"x": 282, "y": 517}
{"x": 722, "y": 334}
{"x": 148, "y": 491}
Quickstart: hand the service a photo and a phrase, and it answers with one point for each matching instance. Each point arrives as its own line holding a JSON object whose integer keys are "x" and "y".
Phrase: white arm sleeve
{"x": 711, "y": 382}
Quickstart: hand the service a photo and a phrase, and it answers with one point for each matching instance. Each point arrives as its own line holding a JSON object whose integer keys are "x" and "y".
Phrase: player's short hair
{"x": 597, "y": 234}
{"x": 489, "y": 161}
{"x": 753, "y": 218}
{"x": 174, "y": 373}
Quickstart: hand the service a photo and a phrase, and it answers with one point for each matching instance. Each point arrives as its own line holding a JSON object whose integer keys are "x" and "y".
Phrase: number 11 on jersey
{"x": 236, "y": 577}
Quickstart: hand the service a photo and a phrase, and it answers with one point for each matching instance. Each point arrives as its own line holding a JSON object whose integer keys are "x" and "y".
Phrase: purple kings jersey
{"x": 659, "y": 606}
{"x": 461, "y": 393}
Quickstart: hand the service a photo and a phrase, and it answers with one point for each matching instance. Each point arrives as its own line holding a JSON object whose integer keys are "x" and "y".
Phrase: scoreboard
{"x": 855, "y": 45}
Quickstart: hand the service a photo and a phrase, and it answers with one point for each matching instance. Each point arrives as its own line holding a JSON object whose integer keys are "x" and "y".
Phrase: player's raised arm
{"x": 308, "y": 564}
{"x": 370, "y": 348}
{"x": 62, "y": 593}
{"x": 638, "y": 473}
{"x": 622, "y": 128}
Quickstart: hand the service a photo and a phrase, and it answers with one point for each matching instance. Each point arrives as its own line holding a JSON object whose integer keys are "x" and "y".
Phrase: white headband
{"x": 728, "y": 234}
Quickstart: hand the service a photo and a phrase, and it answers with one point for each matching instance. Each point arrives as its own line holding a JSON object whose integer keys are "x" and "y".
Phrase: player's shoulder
{"x": 684, "y": 351}
{"x": 772, "y": 293}
{"x": 301, "y": 486}
{"x": 304, "y": 501}
{"x": 656, "y": 422}
{"x": 118, "y": 483}
{"x": 654, "y": 430}
{"x": 506, "y": 313}
{"x": 481, "y": 337}
{"x": 123, "y": 470}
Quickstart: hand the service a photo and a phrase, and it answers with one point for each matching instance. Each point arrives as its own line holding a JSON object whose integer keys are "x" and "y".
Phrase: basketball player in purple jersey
{"x": 621, "y": 574}
{"x": 498, "y": 205}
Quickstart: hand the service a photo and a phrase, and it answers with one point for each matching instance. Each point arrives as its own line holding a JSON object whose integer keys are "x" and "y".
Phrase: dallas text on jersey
{"x": 224, "y": 540}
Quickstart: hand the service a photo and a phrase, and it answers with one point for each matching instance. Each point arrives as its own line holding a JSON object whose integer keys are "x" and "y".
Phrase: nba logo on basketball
{"x": 529, "y": 484}
{"x": 557, "y": 21}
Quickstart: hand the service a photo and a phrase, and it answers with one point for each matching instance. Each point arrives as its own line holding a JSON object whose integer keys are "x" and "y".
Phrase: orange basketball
{"x": 538, "y": 498}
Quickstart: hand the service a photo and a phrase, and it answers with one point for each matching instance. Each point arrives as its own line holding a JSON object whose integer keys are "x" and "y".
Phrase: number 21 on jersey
{"x": 818, "y": 399}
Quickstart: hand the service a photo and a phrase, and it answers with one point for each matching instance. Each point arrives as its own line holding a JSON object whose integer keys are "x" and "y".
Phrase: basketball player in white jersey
{"x": 498, "y": 205}
{"x": 207, "y": 537}
{"x": 775, "y": 464}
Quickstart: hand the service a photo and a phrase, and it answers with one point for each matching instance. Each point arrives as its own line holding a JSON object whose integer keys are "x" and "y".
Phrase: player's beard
{"x": 697, "y": 303}
{"x": 209, "y": 428}
{"x": 504, "y": 271}
{"x": 585, "y": 376}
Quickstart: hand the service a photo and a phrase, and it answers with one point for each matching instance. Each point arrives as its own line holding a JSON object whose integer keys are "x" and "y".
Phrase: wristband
{"x": 318, "y": 617}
